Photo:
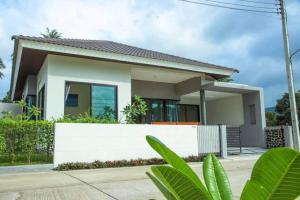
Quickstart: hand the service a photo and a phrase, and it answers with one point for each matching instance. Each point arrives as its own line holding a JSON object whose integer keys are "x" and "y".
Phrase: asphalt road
{"x": 128, "y": 183}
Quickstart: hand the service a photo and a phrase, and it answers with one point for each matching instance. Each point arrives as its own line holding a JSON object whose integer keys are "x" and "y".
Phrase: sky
{"x": 249, "y": 42}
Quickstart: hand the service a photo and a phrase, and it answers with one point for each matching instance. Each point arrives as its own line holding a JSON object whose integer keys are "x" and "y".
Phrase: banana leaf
{"x": 276, "y": 175}
{"x": 216, "y": 179}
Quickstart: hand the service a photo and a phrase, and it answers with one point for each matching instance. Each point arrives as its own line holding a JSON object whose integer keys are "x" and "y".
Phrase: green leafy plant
{"x": 136, "y": 110}
{"x": 276, "y": 175}
{"x": 87, "y": 118}
{"x": 119, "y": 163}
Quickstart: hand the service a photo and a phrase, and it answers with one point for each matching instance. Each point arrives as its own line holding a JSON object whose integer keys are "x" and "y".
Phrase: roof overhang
{"x": 230, "y": 87}
{"x": 30, "y": 55}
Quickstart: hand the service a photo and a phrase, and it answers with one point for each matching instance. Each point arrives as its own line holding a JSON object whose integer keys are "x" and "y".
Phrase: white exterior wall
{"x": 157, "y": 90}
{"x": 254, "y": 134}
{"x": 63, "y": 68}
{"x": 227, "y": 111}
{"x": 90, "y": 142}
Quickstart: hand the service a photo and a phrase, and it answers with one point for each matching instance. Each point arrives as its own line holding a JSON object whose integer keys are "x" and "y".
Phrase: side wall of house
{"x": 253, "y": 133}
{"x": 62, "y": 69}
{"x": 228, "y": 111}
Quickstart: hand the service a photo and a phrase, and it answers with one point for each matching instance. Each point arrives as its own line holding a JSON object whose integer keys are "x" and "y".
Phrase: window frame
{"x": 90, "y": 87}
{"x": 41, "y": 105}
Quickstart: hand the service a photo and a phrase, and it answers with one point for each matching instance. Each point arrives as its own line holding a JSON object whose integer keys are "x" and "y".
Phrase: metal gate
{"x": 234, "y": 145}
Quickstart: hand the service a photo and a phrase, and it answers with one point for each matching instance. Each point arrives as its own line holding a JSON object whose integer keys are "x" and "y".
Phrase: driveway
{"x": 128, "y": 183}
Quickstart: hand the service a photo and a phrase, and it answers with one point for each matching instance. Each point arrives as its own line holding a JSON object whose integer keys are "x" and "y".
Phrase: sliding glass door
{"x": 104, "y": 101}
{"x": 157, "y": 110}
{"x": 171, "y": 111}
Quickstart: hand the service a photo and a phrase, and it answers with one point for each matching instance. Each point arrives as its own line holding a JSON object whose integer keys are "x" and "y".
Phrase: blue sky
{"x": 251, "y": 43}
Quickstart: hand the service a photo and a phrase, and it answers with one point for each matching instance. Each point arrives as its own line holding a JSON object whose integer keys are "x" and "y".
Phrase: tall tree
{"x": 51, "y": 33}
{"x": 283, "y": 108}
{"x": 2, "y": 66}
{"x": 7, "y": 99}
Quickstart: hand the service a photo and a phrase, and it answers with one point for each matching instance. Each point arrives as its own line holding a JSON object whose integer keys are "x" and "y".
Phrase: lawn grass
{"x": 21, "y": 159}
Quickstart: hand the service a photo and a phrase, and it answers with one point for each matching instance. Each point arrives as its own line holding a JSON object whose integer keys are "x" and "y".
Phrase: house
{"x": 73, "y": 76}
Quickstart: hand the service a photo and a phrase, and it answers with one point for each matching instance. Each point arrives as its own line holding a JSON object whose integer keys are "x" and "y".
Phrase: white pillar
{"x": 223, "y": 141}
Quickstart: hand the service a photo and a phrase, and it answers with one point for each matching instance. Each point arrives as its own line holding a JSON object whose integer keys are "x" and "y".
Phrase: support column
{"x": 202, "y": 107}
{"x": 223, "y": 141}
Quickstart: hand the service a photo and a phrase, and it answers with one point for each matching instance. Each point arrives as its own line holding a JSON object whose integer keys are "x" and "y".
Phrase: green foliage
{"x": 119, "y": 163}
{"x": 174, "y": 160}
{"x": 283, "y": 109}
{"x": 86, "y": 118}
{"x": 271, "y": 119}
{"x": 2, "y": 66}
{"x": 26, "y": 137}
{"x": 7, "y": 99}
{"x": 2, "y": 144}
{"x": 51, "y": 34}
{"x": 216, "y": 179}
{"x": 276, "y": 175}
{"x": 136, "y": 110}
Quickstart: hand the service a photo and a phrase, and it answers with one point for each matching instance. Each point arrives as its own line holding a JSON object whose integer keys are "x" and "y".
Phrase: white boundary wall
{"x": 90, "y": 142}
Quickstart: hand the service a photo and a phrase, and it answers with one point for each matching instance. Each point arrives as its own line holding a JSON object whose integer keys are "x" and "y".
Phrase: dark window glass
{"x": 157, "y": 111}
{"x": 41, "y": 102}
{"x": 72, "y": 100}
{"x": 192, "y": 113}
{"x": 30, "y": 101}
{"x": 181, "y": 113}
{"x": 171, "y": 111}
{"x": 104, "y": 101}
{"x": 188, "y": 113}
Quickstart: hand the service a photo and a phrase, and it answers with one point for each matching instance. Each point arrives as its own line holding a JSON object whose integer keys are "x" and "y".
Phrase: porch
{"x": 175, "y": 97}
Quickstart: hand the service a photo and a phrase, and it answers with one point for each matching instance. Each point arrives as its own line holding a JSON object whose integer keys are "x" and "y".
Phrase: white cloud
{"x": 208, "y": 34}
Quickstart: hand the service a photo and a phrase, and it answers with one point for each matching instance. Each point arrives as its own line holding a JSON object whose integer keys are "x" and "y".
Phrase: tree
{"x": 7, "y": 99}
{"x": 51, "y": 33}
{"x": 2, "y": 66}
{"x": 283, "y": 108}
{"x": 271, "y": 118}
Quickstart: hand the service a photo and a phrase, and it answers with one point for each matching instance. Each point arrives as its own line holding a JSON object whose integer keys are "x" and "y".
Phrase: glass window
{"x": 171, "y": 111}
{"x": 181, "y": 113}
{"x": 192, "y": 113}
{"x": 157, "y": 111}
{"x": 30, "y": 101}
{"x": 72, "y": 100}
{"x": 104, "y": 101}
{"x": 41, "y": 102}
{"x": 188, "y": 113}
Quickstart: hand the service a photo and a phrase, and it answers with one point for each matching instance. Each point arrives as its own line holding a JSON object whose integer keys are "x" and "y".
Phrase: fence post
{"x": 223, "y": 141}
{"x": 288, "y": 136}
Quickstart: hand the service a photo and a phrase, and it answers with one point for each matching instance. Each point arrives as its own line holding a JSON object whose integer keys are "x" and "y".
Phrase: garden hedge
{"x": 26, "y": 137}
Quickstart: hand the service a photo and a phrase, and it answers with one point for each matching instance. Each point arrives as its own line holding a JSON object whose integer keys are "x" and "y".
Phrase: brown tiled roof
{"x": 118, "y": 48}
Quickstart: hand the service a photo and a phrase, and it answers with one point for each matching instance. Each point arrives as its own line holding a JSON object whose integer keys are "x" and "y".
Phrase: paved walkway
{"x": 128, "y": 183}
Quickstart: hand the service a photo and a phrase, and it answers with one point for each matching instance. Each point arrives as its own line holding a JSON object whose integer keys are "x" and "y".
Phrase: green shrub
{"x": 119, "y": 163}
{"x": 26, "y": 137}
{"x": 86, "y": 118}
{"x": 276, "y": 175}
{"x": 135, "y": 111}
